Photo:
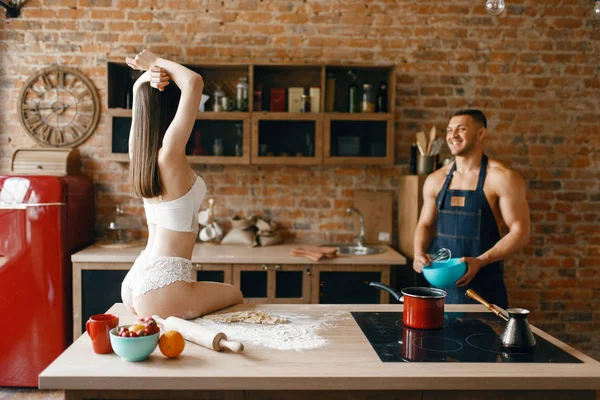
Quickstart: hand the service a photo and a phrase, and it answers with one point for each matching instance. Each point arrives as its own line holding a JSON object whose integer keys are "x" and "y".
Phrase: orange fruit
{"x": 171, "y": 344}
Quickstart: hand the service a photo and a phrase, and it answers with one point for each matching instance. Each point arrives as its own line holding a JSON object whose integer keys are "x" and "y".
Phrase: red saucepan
{"x": 423, "y": 306}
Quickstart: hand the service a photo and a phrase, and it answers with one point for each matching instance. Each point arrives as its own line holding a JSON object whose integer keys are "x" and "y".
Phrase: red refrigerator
{"x": 43, "y": 220}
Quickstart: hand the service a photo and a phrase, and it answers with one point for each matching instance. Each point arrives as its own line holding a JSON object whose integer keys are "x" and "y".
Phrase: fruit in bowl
{"x": 143, "y": 327}
{"x": 444, "y": 274}
{"x": 137, "y": 341}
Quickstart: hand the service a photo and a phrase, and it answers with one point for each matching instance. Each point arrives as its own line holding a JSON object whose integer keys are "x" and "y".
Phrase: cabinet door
{"x": 100, "y": 289}
{"x": 213, "y": 273}
{"x": 273, "y": 283}
{"x": 216, "y": 138}
{"x": 287, "y": 138}
{"x": 220, "y": 138}
{"x": 410, "y": 201}
{"x": 359, "y": 139}
{"x": 343, "y": 284}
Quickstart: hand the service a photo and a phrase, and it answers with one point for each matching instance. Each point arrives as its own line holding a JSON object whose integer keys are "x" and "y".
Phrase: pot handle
{"x": 492, "y": 307}
{"x": 399, "y": 298}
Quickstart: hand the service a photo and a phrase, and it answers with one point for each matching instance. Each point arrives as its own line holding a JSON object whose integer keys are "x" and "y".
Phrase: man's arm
{"x": 425, "y": 230}
{"x": 514, "y": 208}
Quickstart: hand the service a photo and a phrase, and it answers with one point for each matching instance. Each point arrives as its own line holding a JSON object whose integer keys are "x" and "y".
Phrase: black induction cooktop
{"x": 465, "y": 337}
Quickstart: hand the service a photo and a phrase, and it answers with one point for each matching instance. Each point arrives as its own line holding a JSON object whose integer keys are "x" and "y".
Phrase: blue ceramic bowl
{"x": 443, "y": 274}
{"x": 133, "y": 348}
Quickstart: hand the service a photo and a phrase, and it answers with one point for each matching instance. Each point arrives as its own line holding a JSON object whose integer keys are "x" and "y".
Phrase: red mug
{"x": 98, "y": 328}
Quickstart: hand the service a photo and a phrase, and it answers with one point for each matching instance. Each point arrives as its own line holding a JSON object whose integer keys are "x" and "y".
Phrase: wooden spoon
{"x": 432, "y": 133}
{"x": 422, "y": 142}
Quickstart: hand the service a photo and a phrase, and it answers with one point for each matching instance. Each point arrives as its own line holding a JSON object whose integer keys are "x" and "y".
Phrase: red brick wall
{"x": 533, "y": 70}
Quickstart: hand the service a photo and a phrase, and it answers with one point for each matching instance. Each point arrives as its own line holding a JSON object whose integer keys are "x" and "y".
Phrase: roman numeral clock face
{"x": 59, "y": 107}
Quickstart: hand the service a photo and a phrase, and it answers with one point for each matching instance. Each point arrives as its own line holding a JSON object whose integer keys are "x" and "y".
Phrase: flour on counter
{"x": 253, "y": 317}
{"x": 299, "y": 334}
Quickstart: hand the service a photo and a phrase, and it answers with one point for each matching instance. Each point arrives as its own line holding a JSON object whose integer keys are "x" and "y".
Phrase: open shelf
{"x": 322, "y": 137}
{"x": 284, "y": 77}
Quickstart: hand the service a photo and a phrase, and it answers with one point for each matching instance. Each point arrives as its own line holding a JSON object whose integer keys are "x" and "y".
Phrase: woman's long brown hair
{"x": 154, "y": 111}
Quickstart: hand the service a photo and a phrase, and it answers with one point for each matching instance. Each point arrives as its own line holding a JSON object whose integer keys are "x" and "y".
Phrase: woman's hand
{"x": 143, "y": 61}
{"x": 159, "y": 78}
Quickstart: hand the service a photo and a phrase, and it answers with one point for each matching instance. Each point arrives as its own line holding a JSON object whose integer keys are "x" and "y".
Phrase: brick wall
{"x": 533, "y": 70}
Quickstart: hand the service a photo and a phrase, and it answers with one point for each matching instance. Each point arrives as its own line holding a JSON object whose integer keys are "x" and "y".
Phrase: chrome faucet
{"x": 360, "y": 239}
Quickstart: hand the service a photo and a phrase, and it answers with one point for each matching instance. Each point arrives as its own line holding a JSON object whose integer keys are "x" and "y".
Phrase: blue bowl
{"x": 133, "y": 348}
{"x": 443, "y": 274}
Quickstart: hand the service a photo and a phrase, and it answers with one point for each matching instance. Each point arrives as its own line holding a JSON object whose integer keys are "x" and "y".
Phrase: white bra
{"x": 181, "y": 214}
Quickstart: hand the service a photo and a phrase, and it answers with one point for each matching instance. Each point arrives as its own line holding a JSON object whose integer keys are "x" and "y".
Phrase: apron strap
{"x": 440, "y": 199}
{"x": 482, "y": 173}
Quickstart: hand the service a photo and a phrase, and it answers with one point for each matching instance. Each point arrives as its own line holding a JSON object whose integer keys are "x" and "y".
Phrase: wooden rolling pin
{"x": 500, "y": 312}
{"x": 198, "y": 334}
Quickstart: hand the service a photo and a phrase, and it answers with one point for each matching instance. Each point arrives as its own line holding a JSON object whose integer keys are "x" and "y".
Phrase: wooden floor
{"x": 28, "y": 393}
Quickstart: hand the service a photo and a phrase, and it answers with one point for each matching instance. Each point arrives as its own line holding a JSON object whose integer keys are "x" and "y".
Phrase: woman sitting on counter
{"x": 160, "y": 281}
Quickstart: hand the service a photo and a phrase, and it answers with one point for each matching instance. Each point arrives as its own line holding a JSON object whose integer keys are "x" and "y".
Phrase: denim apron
{"x": 466, "y": 225}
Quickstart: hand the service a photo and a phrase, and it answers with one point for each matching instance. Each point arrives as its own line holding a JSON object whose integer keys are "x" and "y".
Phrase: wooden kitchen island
{"x": 347, "y": 367}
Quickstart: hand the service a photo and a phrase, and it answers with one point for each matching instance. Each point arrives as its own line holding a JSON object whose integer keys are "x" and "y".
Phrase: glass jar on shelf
{"x": 242, "y": 94}
{"x": 218, "y": 96}
{"x": 352, "y": 95}
{"x": 368, "y": 99}
{"x": 217, "y": 147}
{"x": 239, "y": 139}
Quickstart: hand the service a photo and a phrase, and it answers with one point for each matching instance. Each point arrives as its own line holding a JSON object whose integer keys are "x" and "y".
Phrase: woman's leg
{"x": 187, "y": 300}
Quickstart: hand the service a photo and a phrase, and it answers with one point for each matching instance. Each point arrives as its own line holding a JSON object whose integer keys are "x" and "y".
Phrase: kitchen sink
{"x": 351, "y": 250}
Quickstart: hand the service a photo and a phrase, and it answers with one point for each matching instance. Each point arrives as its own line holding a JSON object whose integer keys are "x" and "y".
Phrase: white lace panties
{"x": 152, "y": 272}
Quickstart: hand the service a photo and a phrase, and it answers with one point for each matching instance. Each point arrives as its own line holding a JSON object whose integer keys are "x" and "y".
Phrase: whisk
{"x": 442, "y": 255}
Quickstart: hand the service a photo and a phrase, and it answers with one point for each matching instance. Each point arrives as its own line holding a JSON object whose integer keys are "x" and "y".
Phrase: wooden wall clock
{"x": 59, "y": 107}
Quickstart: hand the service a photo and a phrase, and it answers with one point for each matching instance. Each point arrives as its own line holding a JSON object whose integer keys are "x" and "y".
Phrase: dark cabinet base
{"x": 99, "y": 291}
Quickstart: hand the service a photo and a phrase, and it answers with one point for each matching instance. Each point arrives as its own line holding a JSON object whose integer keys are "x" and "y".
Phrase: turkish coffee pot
{"x": 517, "y": 333}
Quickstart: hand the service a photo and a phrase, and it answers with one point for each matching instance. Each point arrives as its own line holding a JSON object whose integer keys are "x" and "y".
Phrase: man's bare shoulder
{"x": 435, "y": 180}
{"x": 502, "y": 176}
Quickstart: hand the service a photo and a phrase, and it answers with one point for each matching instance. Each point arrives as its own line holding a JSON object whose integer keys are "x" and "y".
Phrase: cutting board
{"x": 376, "y": 208}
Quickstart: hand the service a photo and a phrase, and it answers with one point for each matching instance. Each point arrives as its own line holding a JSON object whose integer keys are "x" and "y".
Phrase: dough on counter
{"x": 251, "y": 317}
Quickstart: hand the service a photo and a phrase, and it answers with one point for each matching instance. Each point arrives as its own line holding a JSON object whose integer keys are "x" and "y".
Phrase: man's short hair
{"x": 473, "y": 113}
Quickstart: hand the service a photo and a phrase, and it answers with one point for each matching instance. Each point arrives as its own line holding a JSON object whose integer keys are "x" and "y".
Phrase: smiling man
{"x": 464, "y": 204}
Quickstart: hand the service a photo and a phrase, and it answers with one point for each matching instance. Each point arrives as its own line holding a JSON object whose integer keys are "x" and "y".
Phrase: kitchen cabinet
{"x": 263, "y": 274}
{"x": 349, "y": 284}
{"x": 97, "y": 284}
{"x": 355, "y": 139}
{"x": 273, "y": 283}
{"x": 213, "y": 272}
{"x": 359, "y": 138}
{"x": 301, "y": 144}
{"x": 216, "y": 138}
{"x": 266, "y": 132}
{"x": 410, "y": 201}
